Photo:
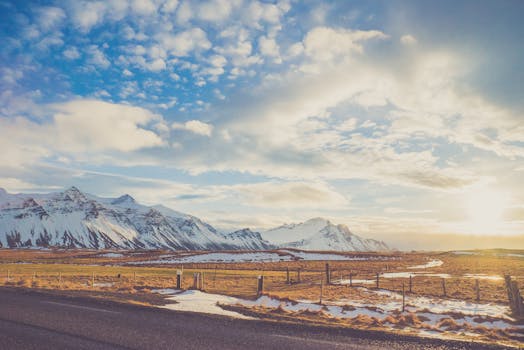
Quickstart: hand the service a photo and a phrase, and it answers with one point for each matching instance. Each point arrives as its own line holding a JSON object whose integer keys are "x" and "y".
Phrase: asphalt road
{"x": 31, "y": 320}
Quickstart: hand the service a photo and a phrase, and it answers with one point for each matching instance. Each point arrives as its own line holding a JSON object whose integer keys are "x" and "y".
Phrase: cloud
{"x": 194, "y": 126}
{"x": 408, "y": 40}
{"x": 292, "y": 195}
{"x": 87, "y": 14}
{"x": 143, "y": 7}
{"x": 328, "y": 44}
{"x": 269, "y": 47}
{"x": 49, "y": 16}
{"x": 71, "y": 53}
{"x": 170, "y": 6}
{"x": 86, "y": 125}
{"x": 80, "y": 128}
{"x": 216, "y": 10}
{"x": 183, "y": 43}
{"x": 97, "y": 57}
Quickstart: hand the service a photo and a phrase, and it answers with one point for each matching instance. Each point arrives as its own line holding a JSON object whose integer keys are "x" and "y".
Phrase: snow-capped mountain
{"x": 321, "y": 234}
{"x": 76, "y": 219}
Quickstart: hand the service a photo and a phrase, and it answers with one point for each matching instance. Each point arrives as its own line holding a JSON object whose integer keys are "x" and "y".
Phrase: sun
{"x": 485, "y": 209}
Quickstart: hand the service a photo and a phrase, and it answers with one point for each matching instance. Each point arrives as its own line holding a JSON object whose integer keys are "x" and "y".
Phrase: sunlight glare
{"x": 485, "y": 208}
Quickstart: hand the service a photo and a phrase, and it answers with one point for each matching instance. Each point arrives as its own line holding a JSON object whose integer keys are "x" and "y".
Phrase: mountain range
{"x": 75, "y": 219}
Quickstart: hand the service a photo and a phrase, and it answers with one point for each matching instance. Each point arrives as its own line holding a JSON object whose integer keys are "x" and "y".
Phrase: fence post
{"x": 93, "y": 280}
{"x": 8, "y": 275}
{"x": 33, "y": 278}
{"x": 60, "y": 280}
{"x": 287, "y": 276}
{"x": 328, "y": 274}
{"x": 298, "y": 275}
{"x": 260, "y": 285}
{"x": 477, "y": 289}
{"x": 514, "y": 297}
{"x": 134, "y": 277}
{"x": 178, "y": 279}
{"x": 351, "y": 279}
{"x": 403, "y": 298}
{"x": 378, "y": 277}
{"x": 410, "y": 283}
{"x": 321, "y": 290}
{"x": 196, "y": 280}
{"x": 202, "y": 281}
{"x": 444, "y": 287}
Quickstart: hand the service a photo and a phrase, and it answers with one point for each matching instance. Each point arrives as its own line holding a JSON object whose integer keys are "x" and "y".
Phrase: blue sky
{"x": 396, "y": 118}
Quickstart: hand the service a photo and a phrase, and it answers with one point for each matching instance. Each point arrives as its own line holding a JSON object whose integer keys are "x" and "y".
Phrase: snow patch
{"x": 429, "y": 264}
{"x": 197, "y": 301}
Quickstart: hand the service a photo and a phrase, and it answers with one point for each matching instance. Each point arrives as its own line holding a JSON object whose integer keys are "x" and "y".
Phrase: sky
{"x": 402, "y": 119}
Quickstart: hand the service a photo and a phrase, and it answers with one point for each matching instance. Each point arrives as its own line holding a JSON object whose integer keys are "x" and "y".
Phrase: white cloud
{"x": 194, "y": 126}
{"x": 408, "y": 40}
{"x": 87, "y": 14}
{"x": 295, "y": 50}
{"x": 184, "y": 43}
{"x": 292, "y": 195}
{"x": 269, "y": 47}
{"x": 327, "y": 44}
{"x": 90, "y": 125}
{"x": 170, "y": 6}
{"x": 143, "y": 7}
{"x": 14, "y": 185}
{"x": 97, "y": 57}
{"x": 157, "y": 65}
{"x": 71, "y": 53}
{"x": 216, "y": 10}
{"x": 257, "y": 12}
{"x": 184, "y": 12}
{"x": 49, "y": 17}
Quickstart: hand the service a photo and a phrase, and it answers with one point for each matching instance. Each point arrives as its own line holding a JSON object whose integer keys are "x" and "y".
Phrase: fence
{"x": 324, "y": 282}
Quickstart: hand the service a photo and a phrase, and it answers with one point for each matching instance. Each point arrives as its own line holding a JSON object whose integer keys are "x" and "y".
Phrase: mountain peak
{"x": 317, "y": 221}
{"x": 74, "y": 193}
{"x": 125, "y": 199}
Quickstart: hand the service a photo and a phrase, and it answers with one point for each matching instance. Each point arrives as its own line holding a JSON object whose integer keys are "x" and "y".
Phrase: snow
{"x": 429, "y": 264}
{"x": 482, "y": 276}
{"x": 166, "y": 291}
{"x": 232, "y": 257}
{"x": 397, "y": 274}
{"x": 432, "y": 310}
{"x": 302, "y": 255}
{"x": 73, "y": 218}
{"x": 197, "y": 301}
{"x": 357, "y": 281}
{"x": 111, "y": 255}
{"x": 221, "y": 257}
{"x": 513, "y": 255}
{"x": 103, "y": 284}
{"x": 295, "y": 232}
{"x": 319, "y": 234}
{"x": 464, "y": 253}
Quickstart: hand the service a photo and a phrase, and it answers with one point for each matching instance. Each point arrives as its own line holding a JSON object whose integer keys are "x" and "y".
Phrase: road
{"x": 31, "y": 320}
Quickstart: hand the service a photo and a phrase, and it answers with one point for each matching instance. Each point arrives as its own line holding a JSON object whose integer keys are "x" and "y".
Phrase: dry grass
{"x": 74, "y": 269}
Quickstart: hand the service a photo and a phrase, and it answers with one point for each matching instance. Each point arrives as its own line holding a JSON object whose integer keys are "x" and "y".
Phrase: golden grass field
{"x": 74, "y": 270}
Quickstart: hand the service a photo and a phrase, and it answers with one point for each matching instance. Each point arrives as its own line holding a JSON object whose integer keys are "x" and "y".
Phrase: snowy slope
{"x": 75, "y": 219}
{"x": 321, "y": 234}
